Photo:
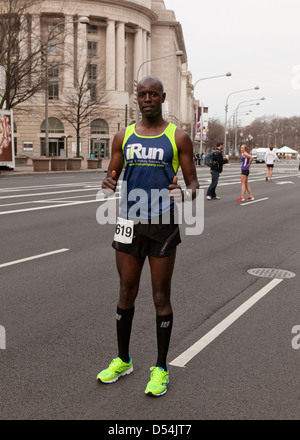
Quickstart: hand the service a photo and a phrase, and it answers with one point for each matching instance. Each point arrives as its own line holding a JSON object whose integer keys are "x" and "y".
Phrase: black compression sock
{"x": 124, "y": 322}
{"x": 163, "y": 332}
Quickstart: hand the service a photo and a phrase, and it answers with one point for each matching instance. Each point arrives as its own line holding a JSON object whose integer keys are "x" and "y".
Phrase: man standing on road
{"x": 216, "y": 170}
{"x": 270, "y": 157}
{"x": 152, "y": 151}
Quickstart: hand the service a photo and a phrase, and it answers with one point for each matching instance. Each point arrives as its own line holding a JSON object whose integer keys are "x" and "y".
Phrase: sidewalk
{"x": 25, "y": 170}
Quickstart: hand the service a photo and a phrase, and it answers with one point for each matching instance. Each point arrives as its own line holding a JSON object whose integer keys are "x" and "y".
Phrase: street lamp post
{"x": 119, "y": 122}
{"x": 236, "y": 116}
{"x": 83, "y": 20}
{"x": 178, "y": 53}
{"x": 226, "y": 111}
{"x": 193, "y": 113}
{"x": 270, "y": 137}
{"x": 263, "y": 136}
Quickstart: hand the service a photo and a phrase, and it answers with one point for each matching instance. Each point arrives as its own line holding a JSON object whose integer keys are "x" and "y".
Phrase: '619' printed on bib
{"x": 124, "y": 230}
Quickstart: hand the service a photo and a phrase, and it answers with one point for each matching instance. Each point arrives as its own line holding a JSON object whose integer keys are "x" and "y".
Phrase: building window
{"x": 92, "y": 48}
{"x": 53, "y": 48}
{"x": 53, "y": 81}
{"x": 92, "y": 80}
{"x": 55, "y": 126}
{"x": 92, "y": 29}
{"x": 53, "y": 29}
{"x": 15, "y": 47}
{"x": 99, "y": 126}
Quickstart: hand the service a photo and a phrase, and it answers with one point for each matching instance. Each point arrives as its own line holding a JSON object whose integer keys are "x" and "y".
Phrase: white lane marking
{"x": 222, "y": 181}
{"x": 254, "y": 201}
{"x": 283, "y": 183}
{"x": 195, "y": 349}
{"x": 31, "y": 202}
{"x": 17, "y": 196}
{"x": 57, "y": 185}
{"x": 16, "y": 211}
{"x": 34, "y": 257}
{"x": 69, "y": 202}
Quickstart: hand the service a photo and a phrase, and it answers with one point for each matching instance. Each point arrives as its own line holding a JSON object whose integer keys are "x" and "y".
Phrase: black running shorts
{"x": 245, "y": 172}
{"x": 153, "y": 240}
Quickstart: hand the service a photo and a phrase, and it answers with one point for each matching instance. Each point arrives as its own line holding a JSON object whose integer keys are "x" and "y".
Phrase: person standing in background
{"x": 215, "y": 171}
{"x": 246, "y": 159}
{"x": 270, "y": 158}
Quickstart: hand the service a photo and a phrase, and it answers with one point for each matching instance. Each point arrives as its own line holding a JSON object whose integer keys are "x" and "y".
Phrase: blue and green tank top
{"x": 151, "y": 162}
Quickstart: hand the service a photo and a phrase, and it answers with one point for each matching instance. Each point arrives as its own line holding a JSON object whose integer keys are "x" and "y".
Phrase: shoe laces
{"x": 157, "y": 375}
{"x": 115, "y": 363}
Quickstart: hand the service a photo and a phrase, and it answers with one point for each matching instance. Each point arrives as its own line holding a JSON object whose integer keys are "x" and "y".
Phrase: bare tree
{"x": 20, "y": 55}
{"x": 81, "y": 101}
{"x": 274, "y": 130}
{"x": 22, "y": 50}
{"x": 215, "y": 133}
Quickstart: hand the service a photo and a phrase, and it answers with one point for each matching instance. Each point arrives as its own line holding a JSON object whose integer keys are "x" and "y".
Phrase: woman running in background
{"x": 246, "y": 159}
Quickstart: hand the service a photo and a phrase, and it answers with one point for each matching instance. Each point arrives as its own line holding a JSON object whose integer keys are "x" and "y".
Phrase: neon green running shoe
{"x": 116, "y": 369}
{"x": 159, "y": 379}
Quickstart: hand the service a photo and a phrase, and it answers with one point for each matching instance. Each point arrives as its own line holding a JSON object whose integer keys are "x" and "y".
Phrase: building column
{"x": 81, "y": 56}
{"x": 35, "y": 38}
{"x": 138, "y": 52}
{"x": 110, "y": 56}
{"x": 149, "y": 54}
{"x": 145, "y": 58}
{"x": 69, "y": 52}
{"x": 120, "y": 57}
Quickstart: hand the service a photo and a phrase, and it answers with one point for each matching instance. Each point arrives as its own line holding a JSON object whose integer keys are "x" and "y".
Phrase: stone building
{"x": 115, "y": 48}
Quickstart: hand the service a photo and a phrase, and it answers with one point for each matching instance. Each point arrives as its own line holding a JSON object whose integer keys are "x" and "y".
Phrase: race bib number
{"x": 124, "y": 230}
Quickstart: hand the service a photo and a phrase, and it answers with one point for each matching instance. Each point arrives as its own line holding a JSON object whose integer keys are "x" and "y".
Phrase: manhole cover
{"x": 271, "y": 273}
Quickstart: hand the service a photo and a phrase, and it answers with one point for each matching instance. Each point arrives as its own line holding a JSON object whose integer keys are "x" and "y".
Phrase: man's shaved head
{"x": 147, "y": 80}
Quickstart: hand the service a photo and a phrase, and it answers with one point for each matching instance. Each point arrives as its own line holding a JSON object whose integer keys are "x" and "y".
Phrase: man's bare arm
{"x": 116, "y": 163}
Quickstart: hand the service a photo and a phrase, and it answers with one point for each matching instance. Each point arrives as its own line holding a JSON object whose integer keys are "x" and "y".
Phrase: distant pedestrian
{"x": 270, "y": 157}
{"x": 216, "y": 170}
{"x": 246, "y": 159}
{"x": 201, "y": 158}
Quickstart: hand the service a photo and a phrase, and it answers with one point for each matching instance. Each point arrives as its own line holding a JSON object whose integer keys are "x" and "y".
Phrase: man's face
{"x": 150, "y": 97}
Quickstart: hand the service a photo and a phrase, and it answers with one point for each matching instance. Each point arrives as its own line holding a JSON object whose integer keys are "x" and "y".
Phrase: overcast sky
{"x": 258, "y": 41}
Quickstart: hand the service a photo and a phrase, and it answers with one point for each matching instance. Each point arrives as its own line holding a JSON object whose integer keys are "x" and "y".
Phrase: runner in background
{"x": 246, "y": 159}
{"x": 270, "y": 157}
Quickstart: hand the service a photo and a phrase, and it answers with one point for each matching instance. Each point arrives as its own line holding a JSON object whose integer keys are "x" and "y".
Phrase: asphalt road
{"x": 58, "y": 294}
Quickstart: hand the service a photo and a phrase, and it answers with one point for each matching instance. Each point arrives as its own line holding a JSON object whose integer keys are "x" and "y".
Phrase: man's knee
{"x": 161, "y": 300}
